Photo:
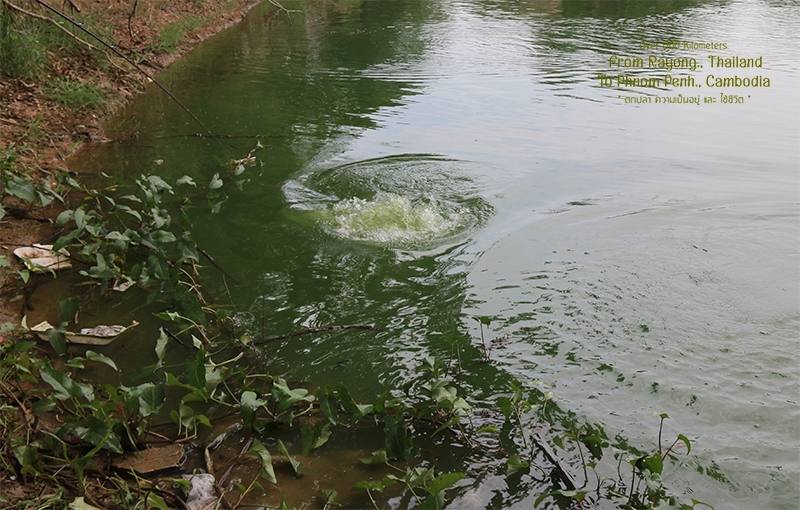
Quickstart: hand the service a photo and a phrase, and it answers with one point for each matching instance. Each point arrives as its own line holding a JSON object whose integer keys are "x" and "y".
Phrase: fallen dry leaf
{"x": 152, "y": 459}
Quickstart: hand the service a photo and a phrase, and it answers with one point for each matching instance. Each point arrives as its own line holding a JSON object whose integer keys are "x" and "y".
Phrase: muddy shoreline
{"x": 61, "y": 133}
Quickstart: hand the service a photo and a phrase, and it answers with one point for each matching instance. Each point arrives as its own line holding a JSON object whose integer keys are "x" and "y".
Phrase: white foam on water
{"x": 415, "y": 202}
{"x": 394, "y": 220}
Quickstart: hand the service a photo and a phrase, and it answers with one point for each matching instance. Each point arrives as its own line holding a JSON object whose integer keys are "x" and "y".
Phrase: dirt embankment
{"x": 56, "y": 100}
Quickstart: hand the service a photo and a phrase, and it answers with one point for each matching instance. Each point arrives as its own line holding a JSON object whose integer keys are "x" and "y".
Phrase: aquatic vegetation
{"x": 342, "y": 86}
{"x": 104, "y": 420}
{"x": 134, "y": 236}
{"x": 17, "y": 185}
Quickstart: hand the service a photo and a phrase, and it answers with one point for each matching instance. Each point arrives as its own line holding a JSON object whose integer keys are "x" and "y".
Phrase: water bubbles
{"x": 394, "y": 220}
{"x": 403, "y": 202}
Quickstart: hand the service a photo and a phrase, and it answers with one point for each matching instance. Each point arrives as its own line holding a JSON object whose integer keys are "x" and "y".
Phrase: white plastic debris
{"x": 202, "y": 494}
{"x": 81, "y": 504}
{"x": 122, "y": 286}
{"x": 98, "y": 335}
{"x": 40, "y": 258}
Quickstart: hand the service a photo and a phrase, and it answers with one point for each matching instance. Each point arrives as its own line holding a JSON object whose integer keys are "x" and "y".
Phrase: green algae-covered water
{"x": 428, "y": 161}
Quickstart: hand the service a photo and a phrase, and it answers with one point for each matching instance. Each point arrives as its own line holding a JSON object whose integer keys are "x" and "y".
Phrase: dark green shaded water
{"x": 426, "y": 161}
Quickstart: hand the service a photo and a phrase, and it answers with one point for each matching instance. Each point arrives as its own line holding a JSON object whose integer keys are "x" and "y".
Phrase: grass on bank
{"x": 173, "y": 33}
{"x": 75, "y": 95}
{"x": 22, "y": 52}
{"x": 27, "y": 45}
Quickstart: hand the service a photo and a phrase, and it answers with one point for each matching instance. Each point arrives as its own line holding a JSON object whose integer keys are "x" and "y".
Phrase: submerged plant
{"x": 133, "y": 237}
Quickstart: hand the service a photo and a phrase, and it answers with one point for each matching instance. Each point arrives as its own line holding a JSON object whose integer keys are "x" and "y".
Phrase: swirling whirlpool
{"x": 410, "y": 202}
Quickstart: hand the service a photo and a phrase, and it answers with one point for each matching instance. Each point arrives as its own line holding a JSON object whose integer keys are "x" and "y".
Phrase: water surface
{"x": 427, "y": 161}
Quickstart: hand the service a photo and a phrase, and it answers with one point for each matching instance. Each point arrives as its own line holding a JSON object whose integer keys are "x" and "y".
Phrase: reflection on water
{"x": 638, "y": 259}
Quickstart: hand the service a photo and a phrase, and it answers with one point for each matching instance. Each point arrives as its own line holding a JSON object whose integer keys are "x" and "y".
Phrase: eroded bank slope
{"x": 57, "y": 84}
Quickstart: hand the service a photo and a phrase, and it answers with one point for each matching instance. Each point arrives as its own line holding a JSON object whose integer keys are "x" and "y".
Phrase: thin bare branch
{"x": 281, "y": 7}
{"x": 40, "y": 17}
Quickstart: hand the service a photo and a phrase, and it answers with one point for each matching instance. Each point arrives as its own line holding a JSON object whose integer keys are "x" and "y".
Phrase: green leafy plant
{"x": 19, "y": 193}
{"x": 133, "y": 238}
{"x": 136, "y": 236}
{"x": 426, "y": 486}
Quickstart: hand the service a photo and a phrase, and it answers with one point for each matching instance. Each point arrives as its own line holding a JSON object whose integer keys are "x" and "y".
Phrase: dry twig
{"x": 34, "y": 15}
